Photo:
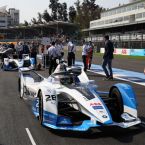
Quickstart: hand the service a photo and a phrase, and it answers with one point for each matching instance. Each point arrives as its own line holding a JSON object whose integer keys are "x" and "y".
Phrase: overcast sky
{"x": 30, "y": 8}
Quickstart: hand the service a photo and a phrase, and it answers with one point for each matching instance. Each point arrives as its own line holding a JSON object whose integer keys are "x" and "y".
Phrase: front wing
{"x": 57, "y": 122}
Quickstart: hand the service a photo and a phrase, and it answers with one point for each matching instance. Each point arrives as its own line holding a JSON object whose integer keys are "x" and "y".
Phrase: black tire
{"x": 116, "y": 105}
{"x": 19, "y": 85}
{"x": 19, "y": 88}
{"x": 40, "y": 108}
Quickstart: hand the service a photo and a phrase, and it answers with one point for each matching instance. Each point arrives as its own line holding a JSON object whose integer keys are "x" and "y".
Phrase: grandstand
{"x": 40, "y": 30}
{"x": 125, "y": 24}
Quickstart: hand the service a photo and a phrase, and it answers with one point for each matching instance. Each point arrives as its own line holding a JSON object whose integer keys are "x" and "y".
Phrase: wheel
{"x": 21, "y": 94}
{"x": 116, "y": 106}
{"x": 40, "y": 108}
{"x": 19, "y": 85}
{"x": 19, "y": 88}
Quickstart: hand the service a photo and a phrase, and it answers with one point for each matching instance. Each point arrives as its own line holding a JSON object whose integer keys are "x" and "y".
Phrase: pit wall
{"x": 129, "y": 52}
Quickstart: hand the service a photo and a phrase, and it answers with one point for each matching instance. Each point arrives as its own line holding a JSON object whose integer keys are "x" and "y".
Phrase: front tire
{"x": 116, "y": 105}
{"x": 40, "y": 108}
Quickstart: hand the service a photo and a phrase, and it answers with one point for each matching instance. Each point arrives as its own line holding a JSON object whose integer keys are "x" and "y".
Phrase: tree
{"x": 34, "y": 21}
{"x": 46, "y": 16}
{"x": 60, "y": 12}
{"x": 54, "y": 8}
{"x": 64, "y": 12}
{"x": 87, "y": 11}
{"x": 72, "y": 14}
{"x": 39, "y": 18}
{"x": 26, "y": 23}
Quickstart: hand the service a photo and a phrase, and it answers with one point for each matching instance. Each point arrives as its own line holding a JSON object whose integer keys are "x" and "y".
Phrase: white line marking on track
{"x": 118, "y": 78}
{"x": 30, "y": 136}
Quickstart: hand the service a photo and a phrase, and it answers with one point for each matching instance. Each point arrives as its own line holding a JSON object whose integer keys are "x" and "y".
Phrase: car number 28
{"x": 50, "y": 98}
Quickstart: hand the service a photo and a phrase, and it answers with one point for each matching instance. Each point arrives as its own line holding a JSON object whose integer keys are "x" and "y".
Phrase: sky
{"x": 30, "y": 8}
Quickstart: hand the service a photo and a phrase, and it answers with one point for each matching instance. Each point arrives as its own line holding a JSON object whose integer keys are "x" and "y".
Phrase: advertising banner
{"x": 124, "y": 51}
{"x": 137, "y": 52}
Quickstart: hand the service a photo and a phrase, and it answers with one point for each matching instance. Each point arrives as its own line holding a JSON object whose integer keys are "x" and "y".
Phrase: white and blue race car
{"x": 12, "y": 64}
{"x": 68, "y": 100}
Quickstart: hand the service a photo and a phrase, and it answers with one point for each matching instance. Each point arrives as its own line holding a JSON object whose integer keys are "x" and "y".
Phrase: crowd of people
{"x": 55, "y": 50}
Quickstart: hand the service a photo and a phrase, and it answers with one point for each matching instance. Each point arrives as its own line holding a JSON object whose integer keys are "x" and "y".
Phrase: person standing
{"x": 53, "y": 56}
{"x": 84, "y": 55}
{"x": 90, "y": 54}
{"x": 26, "y": 49}
{"x": 19, "y": 50}
{"x": 33, "y": 52}
{"x": 107, "y": 58}
{"x": 71, "y": 53}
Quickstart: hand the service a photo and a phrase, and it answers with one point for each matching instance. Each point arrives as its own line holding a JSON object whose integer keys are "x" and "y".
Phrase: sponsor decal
{"x": 97, "y": 107}
{"x": 95, "y": 104}
{"x": 104, "y": 116}
{"x": 29, "y": 92}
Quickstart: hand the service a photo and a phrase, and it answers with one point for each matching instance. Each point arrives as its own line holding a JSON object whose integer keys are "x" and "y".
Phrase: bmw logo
{"x": 104, "y": 116}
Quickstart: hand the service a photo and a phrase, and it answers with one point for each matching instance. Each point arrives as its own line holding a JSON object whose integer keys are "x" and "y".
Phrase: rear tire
{"x": 116, "y": 105}
{"x": 40, "y": 108}
{"x": 19, "y": 88}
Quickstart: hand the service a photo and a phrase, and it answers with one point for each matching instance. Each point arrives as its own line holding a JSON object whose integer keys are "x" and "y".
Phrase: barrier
{"x": 124, "y": 51}
{"x": 137, "y": 52}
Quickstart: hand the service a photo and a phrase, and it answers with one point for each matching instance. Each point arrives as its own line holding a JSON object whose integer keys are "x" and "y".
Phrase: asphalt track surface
{"x": 16, "y": 116}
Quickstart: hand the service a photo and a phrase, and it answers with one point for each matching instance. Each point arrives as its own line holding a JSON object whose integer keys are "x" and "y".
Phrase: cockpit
{"x": 67, "y": 76}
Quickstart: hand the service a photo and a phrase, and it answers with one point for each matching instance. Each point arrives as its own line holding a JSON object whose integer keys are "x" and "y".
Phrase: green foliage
{"x": 87, "y": 11}
{"x": 81, "y": 13}
{"x": 54, "y": 5}
{"x": 46, "y": 16}
{"x": 39, "y": 18}
{"x": 34, "y": 21}
{"x": 26, "y": 23}
{"x": 72, "y": 14}
{"x": 64, "y": 12}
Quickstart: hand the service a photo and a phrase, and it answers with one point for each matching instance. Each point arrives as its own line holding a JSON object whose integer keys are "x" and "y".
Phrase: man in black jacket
{"x": 107, "y": 58}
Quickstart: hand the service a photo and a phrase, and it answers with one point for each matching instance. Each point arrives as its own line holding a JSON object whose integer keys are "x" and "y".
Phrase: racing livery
{"x": 68, "y": 100}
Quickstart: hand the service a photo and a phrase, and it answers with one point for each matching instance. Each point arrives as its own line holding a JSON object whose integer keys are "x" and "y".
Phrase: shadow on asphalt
{"x": 122, "y": 135}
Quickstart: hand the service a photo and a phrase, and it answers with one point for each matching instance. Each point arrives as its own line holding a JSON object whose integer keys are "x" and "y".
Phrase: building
{"x": 8, "y": 18}
{"x": 125, "y": 24}
{"x": 3, "y": 17}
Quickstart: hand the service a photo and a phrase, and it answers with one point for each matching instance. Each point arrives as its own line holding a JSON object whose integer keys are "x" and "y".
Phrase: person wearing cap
{"x": 107, "y": 58}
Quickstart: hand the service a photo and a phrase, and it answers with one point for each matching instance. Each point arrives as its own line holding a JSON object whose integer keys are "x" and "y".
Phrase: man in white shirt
{"x": 53, "y": 56}
{"x": 71, "y": 53}
{"x": 84, "y": 54}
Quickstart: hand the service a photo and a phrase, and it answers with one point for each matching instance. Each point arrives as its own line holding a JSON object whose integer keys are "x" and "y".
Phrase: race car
{"x": 4, "y": 52}
{"x": 68, "y": 100}
{"x": 12, "y": 64}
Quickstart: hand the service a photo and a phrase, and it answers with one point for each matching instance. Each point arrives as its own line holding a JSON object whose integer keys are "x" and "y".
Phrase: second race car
{"x": 11, "y": 64}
